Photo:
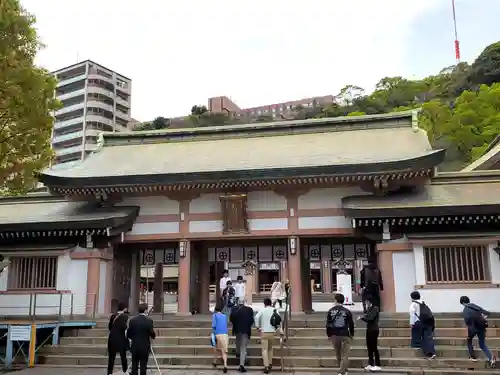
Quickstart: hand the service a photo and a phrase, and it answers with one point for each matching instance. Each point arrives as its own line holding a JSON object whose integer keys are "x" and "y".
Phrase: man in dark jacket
{"x": 340, "y": 331}
{"x": 475, "y": 319}
{"x": 117, "y": 339}
{"x": 371, "y": 284}
{"x": 242, "y": 319}
{"x": 140, "y": 332}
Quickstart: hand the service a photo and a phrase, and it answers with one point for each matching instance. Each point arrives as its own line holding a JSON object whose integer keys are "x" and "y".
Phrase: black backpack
{"x": 371, "y": 277}
{"x": 478, "y": 318}
{"x": 275, "y": 319}
{"x": 426, "y": 317}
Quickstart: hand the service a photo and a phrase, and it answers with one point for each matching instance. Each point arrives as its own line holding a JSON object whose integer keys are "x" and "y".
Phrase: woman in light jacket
{"x": 277, "y": 292}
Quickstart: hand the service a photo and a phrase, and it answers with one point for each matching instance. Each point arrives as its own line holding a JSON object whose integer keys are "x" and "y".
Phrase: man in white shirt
{"x": 240, "y": 289}
{"x": 267, "y": 333}
{"x": 223, "y": 281}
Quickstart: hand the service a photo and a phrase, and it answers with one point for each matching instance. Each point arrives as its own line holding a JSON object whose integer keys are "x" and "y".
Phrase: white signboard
{"x": 20, "y": 333}
{"x": 344, "y": 286}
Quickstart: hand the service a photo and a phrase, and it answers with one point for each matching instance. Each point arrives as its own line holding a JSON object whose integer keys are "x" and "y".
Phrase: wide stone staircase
{"x": 183, "y": 343}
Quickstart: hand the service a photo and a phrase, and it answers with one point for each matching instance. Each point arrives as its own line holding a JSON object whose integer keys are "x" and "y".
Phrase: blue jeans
{"x": 423, "y": 337}
{"x": 481, "y": 337}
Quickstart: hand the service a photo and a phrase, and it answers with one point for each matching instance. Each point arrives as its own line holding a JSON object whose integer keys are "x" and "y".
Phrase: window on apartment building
{"x": 456, "y": 264}
{"x": 32, "y": 273}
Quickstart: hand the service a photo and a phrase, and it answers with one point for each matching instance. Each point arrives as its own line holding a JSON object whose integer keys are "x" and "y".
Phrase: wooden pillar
{"x": 158, "y": 296}
{"x": 295, "y": 273}
{"x": 326, "y": 272}
{"x": 204, "y": 279}
{"x": 184, "y": 281}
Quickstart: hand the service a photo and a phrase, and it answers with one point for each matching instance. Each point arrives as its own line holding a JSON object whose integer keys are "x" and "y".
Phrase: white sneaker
{"x": 376, "y": 368}
{"x": 369, "y": 368}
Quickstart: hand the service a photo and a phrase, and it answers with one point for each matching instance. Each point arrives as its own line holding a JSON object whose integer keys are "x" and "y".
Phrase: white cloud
{"x": 179, "y": 53}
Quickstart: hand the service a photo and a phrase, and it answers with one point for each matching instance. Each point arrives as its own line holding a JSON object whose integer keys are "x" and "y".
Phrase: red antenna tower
{"x": 457, "y": 43}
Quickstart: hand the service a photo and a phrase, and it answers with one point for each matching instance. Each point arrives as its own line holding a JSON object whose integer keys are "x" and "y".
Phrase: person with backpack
{"x": 267, "y": 321}
{"x": 371, "y": 284}
{"x": 229, "y": 298}
{"x": 340, "y": 331}
{"x": 371, "y": 318}
{"x": 422, "y": 324}
{"x": 475, "y": 318}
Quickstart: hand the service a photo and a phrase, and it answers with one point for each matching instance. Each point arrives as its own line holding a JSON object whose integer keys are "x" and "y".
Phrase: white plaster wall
{"x": 265, "y": 200}
{"x": 324, "y": 222}
{"x": 448, "y": 300}
{"x": 404, "y": 278}
{"x": 327, "y": 197}
{"x": 154, "y": 205}
{"x": 205, "y": 204}
{"x": 205, "y": 226}
{"x": 71, "y": 278}
{"x": 103, "y": 267}
{"x": 268, "y": 224}
{"x": 155, "y": 228}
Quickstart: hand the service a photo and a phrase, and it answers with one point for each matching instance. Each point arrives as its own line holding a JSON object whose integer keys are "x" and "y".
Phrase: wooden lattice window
{"x": 234, "y": 213}
{"x": 456, "y": 265}
{"x": 32, "y": 272}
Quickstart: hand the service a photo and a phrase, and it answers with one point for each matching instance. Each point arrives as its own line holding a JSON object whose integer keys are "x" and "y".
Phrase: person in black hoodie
{"x": 340, "y": 331}
{"x": 117, "y": 339}
{"x": 371, "y": 318}
{"x": 475, "y": 318}
{"x": 371, "y": 284}
{"x": 242, "y": 319}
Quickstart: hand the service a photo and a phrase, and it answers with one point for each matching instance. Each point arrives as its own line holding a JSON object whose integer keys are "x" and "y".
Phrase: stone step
{"x": 293, "y": 332}
{"x": 312, "y": 323}
{"x": 208, "y": 370}
{"x": 255, "y": 350}
{"x": 289, "y": 362}
{"x": 392, "y": 342}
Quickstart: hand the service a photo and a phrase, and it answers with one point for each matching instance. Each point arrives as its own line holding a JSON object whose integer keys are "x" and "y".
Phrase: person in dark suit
{"x": 117, "y": 339}
{"x": 140, "y": 332}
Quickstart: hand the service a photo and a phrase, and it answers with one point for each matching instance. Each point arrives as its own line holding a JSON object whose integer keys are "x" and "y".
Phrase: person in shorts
{"x": 219, "y": 328}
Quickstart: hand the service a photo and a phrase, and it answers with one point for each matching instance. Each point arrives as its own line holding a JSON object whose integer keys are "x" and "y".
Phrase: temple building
{"x": 297, "y": 200}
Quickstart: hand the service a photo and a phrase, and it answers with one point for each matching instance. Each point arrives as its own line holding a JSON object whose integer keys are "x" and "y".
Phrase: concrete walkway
{"x": 94, "y": 371}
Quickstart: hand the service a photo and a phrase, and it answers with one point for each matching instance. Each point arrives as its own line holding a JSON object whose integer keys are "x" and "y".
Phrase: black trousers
{"x": 372, "y": 346}
{"x": 140, "y": 362}
{"x": 112, "y": 352}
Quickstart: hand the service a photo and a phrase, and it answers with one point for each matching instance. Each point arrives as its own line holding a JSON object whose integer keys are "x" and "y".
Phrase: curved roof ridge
{"x": 343, "y": 123}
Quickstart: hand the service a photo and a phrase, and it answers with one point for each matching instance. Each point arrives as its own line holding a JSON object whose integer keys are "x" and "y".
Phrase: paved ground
{"x": 69, "y": 371}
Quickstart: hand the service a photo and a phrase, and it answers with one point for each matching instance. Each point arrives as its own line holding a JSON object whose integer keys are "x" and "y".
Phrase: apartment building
{"x": 275, "y": 111}
{"x": 95, "y": 99}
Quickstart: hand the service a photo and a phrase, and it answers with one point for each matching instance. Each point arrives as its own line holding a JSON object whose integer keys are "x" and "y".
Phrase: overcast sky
{"x": 179, "y": 53}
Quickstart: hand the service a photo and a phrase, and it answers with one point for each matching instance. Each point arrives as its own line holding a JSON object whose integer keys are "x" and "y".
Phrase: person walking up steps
{"x": 422, "y": 326}
{"x": 117, "y": 339}
{"x": 371, "y": 318}
{"x": 340, "y": 331}
{"x": 475, "y": 318}
{"x": 242, "y": 319}
{"x": 219, "y": 328}
{"x": 267, "y": 321}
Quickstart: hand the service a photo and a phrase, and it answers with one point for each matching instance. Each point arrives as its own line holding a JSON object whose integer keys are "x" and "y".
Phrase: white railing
{"x": 33, "y": 305}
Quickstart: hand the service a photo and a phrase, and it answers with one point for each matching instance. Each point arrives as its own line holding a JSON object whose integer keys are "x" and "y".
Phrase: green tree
{"x": 467, "y": 127}
{"x": 157, "y": 124}
{"x": 26, "y": 102}
{"x": 486, "y": 68}
{"x": 198, "y": 110}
